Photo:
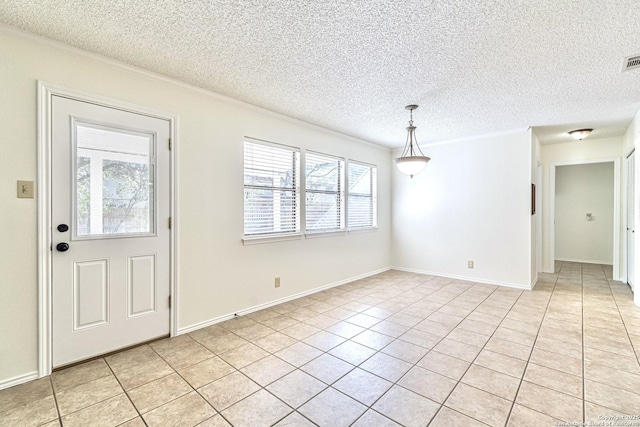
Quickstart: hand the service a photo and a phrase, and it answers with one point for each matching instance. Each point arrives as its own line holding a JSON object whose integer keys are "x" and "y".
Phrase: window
{"x": 362, "y": 210}
{"x": 271, "y": 189}
{"x": 338, "y": 196}
{"x": 114, "y": 181}
{"x": 324, "y": 193}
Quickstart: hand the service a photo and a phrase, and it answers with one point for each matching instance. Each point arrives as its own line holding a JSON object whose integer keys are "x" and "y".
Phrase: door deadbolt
{"x": 63, "y": 227}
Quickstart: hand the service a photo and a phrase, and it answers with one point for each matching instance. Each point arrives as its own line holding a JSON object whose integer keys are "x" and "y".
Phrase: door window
{"x": 114, "y": 181}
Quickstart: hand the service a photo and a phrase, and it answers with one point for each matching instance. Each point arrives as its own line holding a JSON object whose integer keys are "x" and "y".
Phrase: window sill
{"x": 317, "y": 234}
{"x": 257, "y": 240}
{"x": 363, "y": 230}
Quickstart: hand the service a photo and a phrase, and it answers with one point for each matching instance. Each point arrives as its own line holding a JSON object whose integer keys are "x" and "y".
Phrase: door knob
{"x": 63, "y": 227}
{"x": 62, "y": 247}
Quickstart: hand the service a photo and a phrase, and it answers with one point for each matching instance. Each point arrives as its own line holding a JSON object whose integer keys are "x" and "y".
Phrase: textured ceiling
{"x": 474, "y": 67}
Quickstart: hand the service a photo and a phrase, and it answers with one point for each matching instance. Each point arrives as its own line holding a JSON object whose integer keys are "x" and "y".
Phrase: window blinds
{"x": 271, "y": 189}
{"x": 324, "y": 189}
{"x": 362, "y": 196}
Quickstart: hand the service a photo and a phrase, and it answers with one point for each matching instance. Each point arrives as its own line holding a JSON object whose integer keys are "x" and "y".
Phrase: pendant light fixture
{"x": 412, "y": 161}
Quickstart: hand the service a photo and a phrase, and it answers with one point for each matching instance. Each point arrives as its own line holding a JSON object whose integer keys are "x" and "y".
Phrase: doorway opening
{"x": 585, "y": 223}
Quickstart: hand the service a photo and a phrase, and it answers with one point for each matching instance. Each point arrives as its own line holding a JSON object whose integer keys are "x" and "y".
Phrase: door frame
{"x": 46, "y": 91}
{"x": 616, "y": 208}
{"x": 625, "y": 277}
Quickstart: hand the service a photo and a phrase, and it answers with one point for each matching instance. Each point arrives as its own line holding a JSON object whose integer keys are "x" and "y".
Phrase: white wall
{"x": 217, "y": 274}
{"x": 471, "y": 203}
{"x": 631, "y": 136}
{"x": 581, "y": 189}
{"x": 575, "y": 152}
{"x": 631, "y": 140}
{"x": 536, "y": 222}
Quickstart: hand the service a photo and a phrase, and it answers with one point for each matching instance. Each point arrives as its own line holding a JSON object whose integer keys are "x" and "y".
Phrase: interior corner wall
{"x": 217, "y": 274}
{"x": 631, "y": 137}
{"x": 585, "y": 151}
{"x": 536, "y": 223}
{"x": 472, "y": 203}
{"x": 631, "y": 140}
{"x": 583, "y": 190}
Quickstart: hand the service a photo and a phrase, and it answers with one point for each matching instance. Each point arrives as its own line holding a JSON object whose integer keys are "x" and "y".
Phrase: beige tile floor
{"x": 393, "y": 349}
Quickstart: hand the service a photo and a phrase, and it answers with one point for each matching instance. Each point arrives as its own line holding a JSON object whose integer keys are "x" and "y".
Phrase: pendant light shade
{"x": 412, "y": 165}
{"x": 412, "y": 161}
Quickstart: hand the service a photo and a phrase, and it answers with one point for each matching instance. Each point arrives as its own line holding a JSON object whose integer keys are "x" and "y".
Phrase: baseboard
{"x": 584, "y": 261}
{"x": 245, "y": 311}
{"x": 534, "y": 282}
{"x": 18, "y": 380}
{"x": 466, "y": 278}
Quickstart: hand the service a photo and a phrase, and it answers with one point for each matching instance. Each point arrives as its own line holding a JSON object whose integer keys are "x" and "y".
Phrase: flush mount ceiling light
{"x": 412, "y": 161}
{"x": 580, "y": 134}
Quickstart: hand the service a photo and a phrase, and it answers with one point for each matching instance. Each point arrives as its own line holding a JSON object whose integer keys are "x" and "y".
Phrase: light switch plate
{"x": 25, "y": 189}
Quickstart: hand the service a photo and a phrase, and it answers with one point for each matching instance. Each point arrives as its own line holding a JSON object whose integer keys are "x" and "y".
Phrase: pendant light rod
{"x": 411, "y": 134}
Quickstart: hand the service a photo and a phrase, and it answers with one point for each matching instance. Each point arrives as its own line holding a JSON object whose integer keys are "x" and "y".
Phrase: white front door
{"x": 110, "y": 232}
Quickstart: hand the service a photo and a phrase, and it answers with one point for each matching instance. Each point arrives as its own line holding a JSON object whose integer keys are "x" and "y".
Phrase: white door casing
{"x": 631, "y": 176}
{"x": 616, "y": 210}
{"x": 111, "y": 288}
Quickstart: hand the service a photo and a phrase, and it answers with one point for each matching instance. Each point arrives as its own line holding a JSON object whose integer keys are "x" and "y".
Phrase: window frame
{"x": 272, "y": 236}
{"x": 341, "y": 193}
{"x": 373, "y": 195}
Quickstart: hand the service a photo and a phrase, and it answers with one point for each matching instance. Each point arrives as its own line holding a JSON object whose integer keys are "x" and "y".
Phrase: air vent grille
{"x": 631, "y": 62}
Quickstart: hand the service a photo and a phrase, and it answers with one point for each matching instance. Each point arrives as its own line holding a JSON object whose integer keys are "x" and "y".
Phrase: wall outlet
{"x": 277, "y": 282}
{"x": 469, "y": 264}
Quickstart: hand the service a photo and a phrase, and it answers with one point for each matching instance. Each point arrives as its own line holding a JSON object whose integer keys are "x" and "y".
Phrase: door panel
{"x": 90, "y": 293}
{"x": 141, "y": 285}
{"x": 110, "y": 184}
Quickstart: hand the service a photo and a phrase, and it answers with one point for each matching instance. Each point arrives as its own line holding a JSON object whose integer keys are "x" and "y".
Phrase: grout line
{"x": 532, "y": 349}
{"x": 55, "y": 399}
{"x": 487, "y": 297}
{"x": 615, "y": 301}
{"x": 125, "y": 392}
{"x": 98, "y": 402}
{"x": 296, "y": 368}
{"x": 175, "y": 371}
{"x": 238, "y": 370}
{"x": 474, "y": 359}
{"x": 376, "y": 351}
{"x": 370, "y": 407}
{"x": 394, "y": 383}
